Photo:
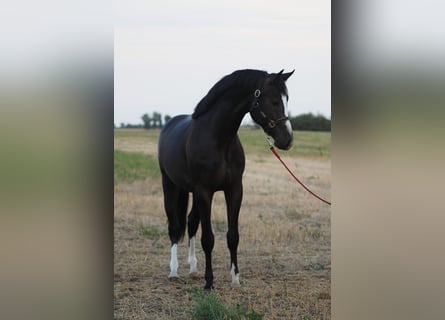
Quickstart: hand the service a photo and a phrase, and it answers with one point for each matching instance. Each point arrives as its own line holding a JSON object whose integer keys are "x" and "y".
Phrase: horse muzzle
{"x": 282, "y": 135}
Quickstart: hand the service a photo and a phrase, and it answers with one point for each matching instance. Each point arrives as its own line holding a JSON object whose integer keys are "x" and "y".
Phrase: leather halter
{"x": 271, "y": 123}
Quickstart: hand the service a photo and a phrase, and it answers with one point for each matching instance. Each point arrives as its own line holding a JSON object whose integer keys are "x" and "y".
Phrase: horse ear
{"x": 275, "y": 76}
{"x": 287, "y": 75}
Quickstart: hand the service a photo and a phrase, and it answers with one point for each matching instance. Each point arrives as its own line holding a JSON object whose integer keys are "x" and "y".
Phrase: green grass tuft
{"x": 131, "y": 166}
{"x": 151, "y": 232}
{"x": 293, "y": 214}
{"x": 209, "y": 307}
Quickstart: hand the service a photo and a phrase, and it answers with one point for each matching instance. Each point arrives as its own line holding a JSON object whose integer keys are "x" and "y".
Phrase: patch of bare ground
{"x": 284, "y": 251}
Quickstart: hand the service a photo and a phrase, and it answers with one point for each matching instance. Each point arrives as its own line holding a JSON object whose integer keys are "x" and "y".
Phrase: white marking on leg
{"x": 235, "y": 277}
{"x": 192, "y": 256}
{"x": 174, "y": 262}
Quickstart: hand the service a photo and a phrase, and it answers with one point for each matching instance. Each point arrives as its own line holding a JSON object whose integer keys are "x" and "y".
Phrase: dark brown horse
{"x": 202, "y": 154}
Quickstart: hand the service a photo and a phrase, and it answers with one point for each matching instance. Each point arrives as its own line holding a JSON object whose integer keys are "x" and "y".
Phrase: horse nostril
{"x": 289, "y": 143}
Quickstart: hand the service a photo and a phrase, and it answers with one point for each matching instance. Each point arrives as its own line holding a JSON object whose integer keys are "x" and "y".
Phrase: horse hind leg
{"x": 175, "y": 204}
{"x": 193, "y": 223}
{"x": 174, "y": 261}
{"x": 193, "y": 262}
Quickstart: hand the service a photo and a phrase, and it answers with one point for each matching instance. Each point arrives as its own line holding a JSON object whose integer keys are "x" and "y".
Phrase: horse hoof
{"x": 193, "y": 274}
{"x": 173, "y": 275}
{"x": 235, "y": 285}
{"x": 208, "y": 290}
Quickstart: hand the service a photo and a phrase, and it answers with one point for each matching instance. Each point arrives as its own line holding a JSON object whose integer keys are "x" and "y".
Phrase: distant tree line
{"x": 303, "y": 122}
{"x": 153, "y": 121}
{"x": 310, "y": 122}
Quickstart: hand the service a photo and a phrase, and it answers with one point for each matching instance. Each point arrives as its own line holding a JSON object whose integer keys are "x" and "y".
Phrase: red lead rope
{"x": 292, "y": 174}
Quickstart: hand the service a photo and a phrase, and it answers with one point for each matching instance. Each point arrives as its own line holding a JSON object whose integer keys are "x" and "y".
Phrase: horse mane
{"x": 247, "y": 78}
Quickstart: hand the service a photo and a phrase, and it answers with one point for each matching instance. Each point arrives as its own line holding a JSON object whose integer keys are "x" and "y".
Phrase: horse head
{"x": 269, "y": 109}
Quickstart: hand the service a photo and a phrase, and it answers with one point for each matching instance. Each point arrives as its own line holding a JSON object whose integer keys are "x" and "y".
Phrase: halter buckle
{"x": 257, "y": 93}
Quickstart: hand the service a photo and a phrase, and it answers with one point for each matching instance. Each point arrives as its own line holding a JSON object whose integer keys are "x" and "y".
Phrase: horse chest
{"x": 213, "y": 171}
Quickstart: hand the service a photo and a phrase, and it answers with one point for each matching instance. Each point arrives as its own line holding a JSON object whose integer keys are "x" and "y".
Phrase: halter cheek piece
{"x": 271, "y": 123}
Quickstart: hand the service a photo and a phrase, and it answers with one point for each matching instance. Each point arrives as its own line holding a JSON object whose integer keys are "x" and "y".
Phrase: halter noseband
{"x": 271, "y": 123}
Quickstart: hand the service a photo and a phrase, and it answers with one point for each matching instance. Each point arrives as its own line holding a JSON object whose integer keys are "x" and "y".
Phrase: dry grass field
{"x": 284, "y": 251}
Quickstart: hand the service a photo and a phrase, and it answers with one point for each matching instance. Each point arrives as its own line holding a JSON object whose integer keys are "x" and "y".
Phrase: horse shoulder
{"x": 235, "y": 158}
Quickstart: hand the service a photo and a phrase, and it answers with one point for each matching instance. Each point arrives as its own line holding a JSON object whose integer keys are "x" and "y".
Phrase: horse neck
{"x": 226, "y": 118}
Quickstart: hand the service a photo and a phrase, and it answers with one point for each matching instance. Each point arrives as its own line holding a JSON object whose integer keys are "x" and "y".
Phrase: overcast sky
{"x": 168, "y": 54}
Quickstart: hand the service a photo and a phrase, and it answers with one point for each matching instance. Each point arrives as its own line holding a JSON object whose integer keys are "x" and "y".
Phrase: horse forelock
{"x": 279, "y": 83}
{"x": 248, "y": 79}
{"x": 281, "y": 86}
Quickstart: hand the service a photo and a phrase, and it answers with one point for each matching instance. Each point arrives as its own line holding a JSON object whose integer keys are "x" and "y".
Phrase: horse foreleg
{"x": 203, "y": 203}
{"x": 233, "y": 197}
